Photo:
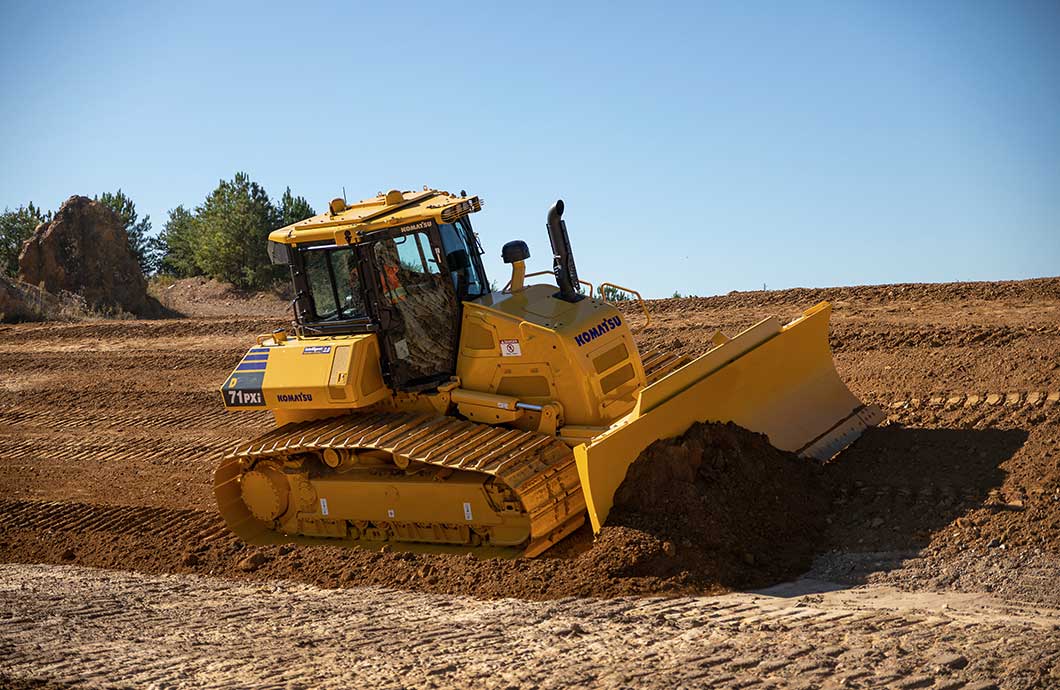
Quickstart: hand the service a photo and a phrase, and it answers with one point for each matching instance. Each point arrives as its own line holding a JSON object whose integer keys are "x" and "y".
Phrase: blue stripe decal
{"x": 251, "y": 366}
{"x": 256, "y": 358}
{"x": 259, "y": 349}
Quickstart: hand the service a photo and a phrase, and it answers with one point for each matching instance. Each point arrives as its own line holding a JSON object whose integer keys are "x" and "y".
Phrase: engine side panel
{"x": 338, "y": 372}
{"x": 539, "y": 349}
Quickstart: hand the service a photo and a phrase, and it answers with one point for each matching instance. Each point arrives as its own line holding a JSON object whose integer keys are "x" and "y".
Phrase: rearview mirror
{"x": 458, "y": 260}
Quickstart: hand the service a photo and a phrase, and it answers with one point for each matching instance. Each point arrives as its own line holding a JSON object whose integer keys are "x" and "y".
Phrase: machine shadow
{"x": 891, "y": 492}
{"x": 897, "y": 486}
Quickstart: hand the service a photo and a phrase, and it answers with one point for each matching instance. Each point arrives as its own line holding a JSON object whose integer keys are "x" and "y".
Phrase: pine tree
{"x": 293, "y": 209}
{"x": 15, "y": 228}
{"x": 233, "y": 226}
{"x": 177, "y": 241}
{"x": 225, "y": 237}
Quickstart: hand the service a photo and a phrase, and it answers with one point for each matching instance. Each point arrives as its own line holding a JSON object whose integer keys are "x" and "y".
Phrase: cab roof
{"x": 344, "y": 224}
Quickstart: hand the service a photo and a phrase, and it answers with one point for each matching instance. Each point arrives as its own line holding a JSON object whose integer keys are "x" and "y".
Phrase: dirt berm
{"x": 24, "y": 302}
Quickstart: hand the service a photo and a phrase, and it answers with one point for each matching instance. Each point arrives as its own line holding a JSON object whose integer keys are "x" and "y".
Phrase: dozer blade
{"x": 773, "y": 379}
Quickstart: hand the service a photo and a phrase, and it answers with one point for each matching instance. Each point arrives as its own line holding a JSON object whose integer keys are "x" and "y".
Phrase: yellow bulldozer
{"x": 417, "y": 409}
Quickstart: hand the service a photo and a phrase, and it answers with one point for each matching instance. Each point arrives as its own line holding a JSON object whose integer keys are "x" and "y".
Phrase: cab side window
{"x": 321, "y": 286}
{"x": 459, "y": 245}
{"x": 414, "y": 254}
{"x": 406, "y": 264}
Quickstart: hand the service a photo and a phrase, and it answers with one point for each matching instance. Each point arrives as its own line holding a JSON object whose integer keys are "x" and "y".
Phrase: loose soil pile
{"x": 728, "y": 508}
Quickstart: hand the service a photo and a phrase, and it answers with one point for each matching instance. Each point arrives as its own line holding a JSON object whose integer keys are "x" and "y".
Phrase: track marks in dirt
{"x": 1035, "y": 411}
{"x": 171, "y": 466}
{"x": 103, "y": 332}
{"x": 113, "y": 628}
{"x": 895, "y": 336}
{"x": 143, "y": 367}
{"x": 972, "y": 410}
{"x": 134, "y": 427}
{"x": 195, "y": 526}
{"x": 970, "y": 400}
{"x": 120, "y": 454}
{"x": 210, "y": 417}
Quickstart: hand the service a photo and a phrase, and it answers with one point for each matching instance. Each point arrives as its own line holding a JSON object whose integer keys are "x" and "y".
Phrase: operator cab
{"x": 406, "y": 283}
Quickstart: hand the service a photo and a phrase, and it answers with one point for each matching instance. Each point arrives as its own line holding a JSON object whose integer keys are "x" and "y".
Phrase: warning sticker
{"x": 323, "y": 506}
{"x": 467, "y": 512}
{"x": 510, "y": 348}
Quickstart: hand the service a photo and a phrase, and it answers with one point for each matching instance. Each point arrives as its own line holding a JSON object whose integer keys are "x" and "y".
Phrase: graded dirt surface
{"x": 187, "y": 631}
{"x": 110, "y": 431}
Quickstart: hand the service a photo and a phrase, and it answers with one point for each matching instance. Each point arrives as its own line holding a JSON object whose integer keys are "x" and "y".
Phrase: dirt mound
{"x": 84, "y": 250}
{"x": 1035, "y": 289}
{"x": 202, "y": 296}
{"x": 24, "y": 302}
{"x": 724, "y": 506}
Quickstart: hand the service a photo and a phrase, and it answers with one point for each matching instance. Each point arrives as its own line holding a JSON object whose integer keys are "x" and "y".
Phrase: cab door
{"x": 417, "y": 305}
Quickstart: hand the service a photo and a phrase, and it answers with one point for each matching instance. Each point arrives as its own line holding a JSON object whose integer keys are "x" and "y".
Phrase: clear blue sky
{"x": 700, "y": 147}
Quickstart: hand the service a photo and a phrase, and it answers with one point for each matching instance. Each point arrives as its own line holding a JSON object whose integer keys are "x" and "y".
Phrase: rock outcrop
{"x": 84, "y": 250}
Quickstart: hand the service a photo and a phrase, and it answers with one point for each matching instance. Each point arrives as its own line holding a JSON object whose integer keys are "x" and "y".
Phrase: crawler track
{"x": 539, "y": 469}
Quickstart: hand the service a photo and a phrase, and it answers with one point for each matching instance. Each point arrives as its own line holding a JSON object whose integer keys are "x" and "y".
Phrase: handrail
{"x": 508, "y": 285}
{"x": 643, "y": 306}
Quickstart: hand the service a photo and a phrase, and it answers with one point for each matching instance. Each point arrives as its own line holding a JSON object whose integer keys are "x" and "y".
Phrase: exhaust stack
{"x": 562, "y": 256}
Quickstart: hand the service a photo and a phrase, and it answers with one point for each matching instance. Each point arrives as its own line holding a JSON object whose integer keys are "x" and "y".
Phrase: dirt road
{"x": 109, "y": 433}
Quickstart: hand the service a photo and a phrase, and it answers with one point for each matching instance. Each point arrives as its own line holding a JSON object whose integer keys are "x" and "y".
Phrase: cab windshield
{"x": 334, "y": 284}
